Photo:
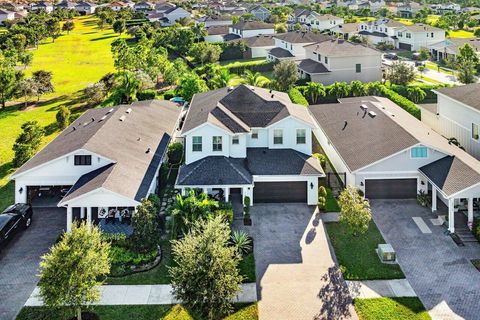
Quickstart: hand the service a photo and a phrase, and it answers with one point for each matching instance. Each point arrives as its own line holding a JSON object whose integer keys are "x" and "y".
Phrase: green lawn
{"x": 356, "y": 255}
{"x": 239, "y": 63}
{"x": 136, "y": 312}
{"x": 433, "y": 66}
{"x": 76, "y": 60}
{"x": 391, "y": 309}
{"x": 460, "y": 34}
{"x": 247, "y": 268}
{"x": 331, "y": 204}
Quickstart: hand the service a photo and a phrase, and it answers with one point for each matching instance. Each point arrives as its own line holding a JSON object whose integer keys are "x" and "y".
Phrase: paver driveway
{"x": 439, "y": 271}
{"x": 296, "y": 276}
{"x": 19, "y": 261}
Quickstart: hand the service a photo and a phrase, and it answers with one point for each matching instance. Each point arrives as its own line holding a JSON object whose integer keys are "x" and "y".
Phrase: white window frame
{"x": 217, "y": 144}
{"x": 305, "y": 135}
{"x": 255, "y": 134}
{"x": 274, "y": 136}
{"x": 236, "y": 139}
{"x": 197, "y": 143}
{"x": 428, "y": 152}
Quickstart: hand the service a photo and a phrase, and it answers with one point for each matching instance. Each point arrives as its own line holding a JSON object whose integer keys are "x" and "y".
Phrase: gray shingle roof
{"x": 280, "y": 53}
{"x": 217, "y": 30}
{"x": 302, "y": 37}
{"x": 312, "y": 67}
{"x": 364, "y": 139}
{"x": 262, "y": 40}
{"x": 100, "y": 131}
{"x": 467, "y": 94}
{"x": 214, "y": 170}
{"x": 451, "y": 174}
{"x": 342, "y": 48}
{"x": 239, "y": 109}
{"x": 252, "y": 25}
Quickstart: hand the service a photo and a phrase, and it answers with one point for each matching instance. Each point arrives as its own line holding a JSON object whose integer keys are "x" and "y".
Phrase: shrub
{"x": 145, "y": 235}
{"x": 169, "y": 94}
{"x": 123, "y": 256}
{"x": 63, "y": 117}
{"x": 321, "y": 158}
{"x": 322, "y": 197}
{"x": 175, "y": 153}
{"x": 242, "y": 241}
{"x": 354, "y": 211}
{"x": 155, "y": 200}
{"x": 147, "y": 95}
{"x": 476, "y": 228}
{"x": 246, "y": 207}
{"x": 226, "y": 214}
{"x": 403, "y": 102}
{"x": 297, "y": 97}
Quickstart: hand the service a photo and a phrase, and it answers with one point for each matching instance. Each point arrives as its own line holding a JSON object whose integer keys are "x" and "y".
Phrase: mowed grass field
{"x": 76, "y": 60}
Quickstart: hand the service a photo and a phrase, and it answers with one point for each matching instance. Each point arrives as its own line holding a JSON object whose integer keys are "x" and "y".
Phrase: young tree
{"x": 68, "y": 26}
{"x": 53, "y": 28}
{"x": 127, "y": 88}
{"x": 424, "y": 54}
{"x": 285, "y": 74}
{"x": 27, "y": 88}
{"x": 255, "y": 79}
{"x": 63, "y": 117}
{"x": 145, "y": 227}
{"x": 27, "y": 143}
{"x": 204, "y": 52}
{"x": 314, "y": 91}
{"x": 119, "y": 26}
{"x": 466, "y": 63}
{"x": 401, "y": 73}
{"x": 190, "y": 84}
{"x": 8, "y": 84}
{"x": 222, "y": 79}
{"x": 205, "y": 272}
{"x": 43, "y": 79}
{"x": 355, "y": 211}
{"x": 199, "y": 31}
{"x": 358, "y": 89}
{"x": 69, "y": 273}
{"x": 416, "y": 94}
{"x": 339, "y": 90}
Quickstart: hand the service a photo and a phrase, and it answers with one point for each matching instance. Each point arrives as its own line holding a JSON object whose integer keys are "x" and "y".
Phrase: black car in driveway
{"x": 15, "y": 218}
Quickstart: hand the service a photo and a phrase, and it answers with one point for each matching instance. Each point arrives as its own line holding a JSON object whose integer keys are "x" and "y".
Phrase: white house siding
{"x": 6, "y": 17}
{"x": 260, "y": 52}
{"x": 325, "y": 24}
{"x": 254, "y": 33}
{"x": 455, "y": 121}
{"x": 297, "y": 49}
{"x": 59, "y": 172}
{"x": 261, "y": 141}
{"x": 420, "y": 40}
{"x": 333, "y": 156}
{"x": 177, "y": 14}
{"x": 312, "y": 193}
{"x": 206, "y": 132}
{"x": 289, "y": 127}
{"x": 214, "y": 38}
{"x": 238, "y": 150}
{"x": 102, "y": 198}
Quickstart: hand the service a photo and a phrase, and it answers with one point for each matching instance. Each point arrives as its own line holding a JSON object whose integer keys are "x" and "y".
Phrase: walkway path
{"x": 380, "y": 288}
{"x": 145, "y": 294}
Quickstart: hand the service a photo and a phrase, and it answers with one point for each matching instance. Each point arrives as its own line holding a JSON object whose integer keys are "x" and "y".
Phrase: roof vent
{"x": 122, "y": 118}
{"x": 372, "y": 114}
{"x": 364, "y": 107}
{"x": 148, "y": 150}
{"x": 103, "y": 118}
{"x": 93, "y": 119}
{"x": 230, "y": 89}
{"x": 110, "y": 111}
{"x": 74, "y": 128}
{"x": 345, "y": 125}
{"x": 272, "y": 95}
{"x": 129, "y": 110}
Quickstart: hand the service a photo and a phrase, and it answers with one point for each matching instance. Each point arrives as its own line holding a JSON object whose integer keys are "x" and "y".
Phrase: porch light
{"x": 311, "y": 185}
{"x": 20, "y": 190}
{"x": 361, "y": 183}
{"x": 422, "y": 183}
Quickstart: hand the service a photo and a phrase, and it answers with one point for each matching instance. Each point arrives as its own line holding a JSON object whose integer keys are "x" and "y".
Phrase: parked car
{"x": 390, "y": 56}
{"x": 15, "y": 218}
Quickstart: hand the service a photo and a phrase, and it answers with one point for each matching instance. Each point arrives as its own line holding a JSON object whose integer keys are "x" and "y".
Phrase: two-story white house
{"x": 251, "y": 141}
{"x": 246, "y": 29}
{"x": 42, "y": 6}
{"x": 457, "y": 115}
{"x": 85, "y": 8}
{"x": 339, "y": 60}
{"x": 381, "y": 30}
{"x": 291, "y": 45}
{"x": 323, "y": 22}
{"x": 106, "y": 159}
{"x": 389, "y": 154}
{"x": 417, "y": 36}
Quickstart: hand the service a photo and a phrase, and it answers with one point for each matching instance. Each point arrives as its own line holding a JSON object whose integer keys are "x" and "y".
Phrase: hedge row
{"x": 403, "y": 102}
{"x": 253, "y": 66}
{"x": 297, "y": 97}
{"x": 427, "y": 88}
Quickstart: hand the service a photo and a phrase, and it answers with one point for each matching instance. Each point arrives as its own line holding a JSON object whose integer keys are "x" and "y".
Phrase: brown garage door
{"x": 391, "y": 189}
{"x": 405, "y": 46}
{"x": 280, "y": 192}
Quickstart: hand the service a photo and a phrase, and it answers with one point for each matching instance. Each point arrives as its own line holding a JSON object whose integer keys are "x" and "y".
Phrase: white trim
{"x": 293, "y": 117}
{"x": 448, "y": 97}
{"x": 203, "y": 125}
{"x": 466, "y": 189}
{"x": 211, "y": 186}
{"x": 387, "y": 157}
{"x": 101, "y": 189}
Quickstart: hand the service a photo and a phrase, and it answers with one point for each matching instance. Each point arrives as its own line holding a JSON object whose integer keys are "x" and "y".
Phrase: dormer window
{"x": 301, "y": 136}
{"x": 419, "y": 152}
{"x": 83, "y": 160}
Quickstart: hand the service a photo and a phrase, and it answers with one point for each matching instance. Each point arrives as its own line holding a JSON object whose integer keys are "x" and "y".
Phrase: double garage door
{"x": 391, "y": 189}
{"x": 405, "y": 46}
{"x": 280, "y": 192}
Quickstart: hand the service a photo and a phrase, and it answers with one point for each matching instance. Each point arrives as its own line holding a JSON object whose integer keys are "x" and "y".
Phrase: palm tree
{"x": 314, "y": 91}
{"x": 223, "y": 79}
{"x": 416, "y": 94}
{"x": 127, "y": 90}
{"x": 339, "y": 90}
{"x": 255, "y": 79}
{"x": 199, "y": 31}
{"x": 358, "y": 89}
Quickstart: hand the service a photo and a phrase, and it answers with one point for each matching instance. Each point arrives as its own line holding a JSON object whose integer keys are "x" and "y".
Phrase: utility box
{"x": 386, "y": 253}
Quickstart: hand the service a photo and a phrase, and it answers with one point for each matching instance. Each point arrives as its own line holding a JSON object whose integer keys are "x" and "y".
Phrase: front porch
{"x": 108, "y": 219}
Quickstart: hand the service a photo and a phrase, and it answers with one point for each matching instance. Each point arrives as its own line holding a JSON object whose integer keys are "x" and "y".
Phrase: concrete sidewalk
{"x": 144, "y": 294}
{"x": 380, "y": 288}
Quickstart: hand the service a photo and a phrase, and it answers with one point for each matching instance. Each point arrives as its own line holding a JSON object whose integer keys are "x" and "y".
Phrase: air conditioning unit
{"x": 386, "y": 253}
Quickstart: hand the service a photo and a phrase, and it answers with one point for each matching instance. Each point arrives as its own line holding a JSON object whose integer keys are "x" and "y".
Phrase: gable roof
{"x": 252, "y": 25}
{"x": 342, "y": 48}
{"x": 466, "y": 94}
{"x": 261, "y": 40}
{"x": 280, "y": 53}
{"x": 239, "y": 109}
{"x": 312, "y": 67}
{"x": 302, "y": 37}
{"x": 135, "y": 144}
{"x": 420, "y": 27}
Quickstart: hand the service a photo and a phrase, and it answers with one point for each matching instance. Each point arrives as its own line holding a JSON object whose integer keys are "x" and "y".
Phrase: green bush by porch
{"x": 391, "y": 309}
{"x": 356, "y": 255}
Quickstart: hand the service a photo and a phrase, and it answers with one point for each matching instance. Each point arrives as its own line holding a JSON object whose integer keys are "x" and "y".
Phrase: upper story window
{"x": 475, "y": 131}
{"x": 419, "y": 152}
{"x": 400, "y": 34}
{"x": 254, "y": 134}
{"x": 83, "y": 160}
{"x": 358, "y": 68}
{"x": 197, "y": 143}
{"x": 235, "y": 140}
{"x": 278, "y": 136}
{"x": 431, "y": 34}
{"x": 301, "y": 136}
{"x": 217, "y": 143}
{"x": 408, "y": 35}
{"x": 326, "y": 59}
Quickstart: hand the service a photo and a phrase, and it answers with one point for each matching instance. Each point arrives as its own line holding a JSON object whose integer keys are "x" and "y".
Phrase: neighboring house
{"x": 408, "y": 10}
{"x": 346, "y": 30}
{"x": 340, "y": 61}
{"x": 85, "y": 8}
{"x": 107, "y": 158}
{"x": 6, "y": 15}
{"x": 172, "y": 15}
{"x": 260, "y": 12}
{"x": 67, "y": 5}
{"x": 389, "y": 154}
{"x": 417, "y": 36}
{"x": 143, "y": 6}
{"x": 258, "y": 46}
{"x": 381, "y": 30}
{"x": 13, "y": 7}
{"x": 449, "y": 48}
{"x": 218, "y": 34}
{"x": 373, "y": 6}
{"x": 249, "y": 141}
{"x": 290, "y": 45}
{"x": 215, "y": 20}
{"x": 457, "y": 115}
{"x": 118, "y": 5}
{"x": 443, "y": 8}
{"x": 323, "y": 22}
{"x": 163, "y": 6}
{"x": 246, "y": 29}
{"x": 231, "y": 10}
{"x": 45, "y": 6}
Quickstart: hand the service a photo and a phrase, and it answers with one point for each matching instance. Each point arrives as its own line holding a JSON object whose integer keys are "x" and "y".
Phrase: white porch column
{"x": 69, "y": 219}
{"x": 434, "y": 199}
{"x": 451, "y": 215}
{"x": 184, "y": 192}
{"x": 205, "y": 190}
{"x": 227, "y": 194}
{"x": 89, "y": 217}
{"x": 82, "y": 213}
{"x": 470, "y": 211}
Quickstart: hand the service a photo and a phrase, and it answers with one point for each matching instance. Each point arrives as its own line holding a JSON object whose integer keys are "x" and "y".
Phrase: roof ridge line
{"x": 201, "y": 161}
{"x": 231, "y": 164}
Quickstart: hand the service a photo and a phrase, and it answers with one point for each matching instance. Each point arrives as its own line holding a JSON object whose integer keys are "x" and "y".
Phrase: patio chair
{"x": 126, "y": 217}
{"x": 110, "y": 217}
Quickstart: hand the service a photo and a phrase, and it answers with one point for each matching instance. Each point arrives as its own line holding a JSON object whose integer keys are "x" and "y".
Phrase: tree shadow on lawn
{"x": 104, "y": 38}
{"x": 6, "y": 191}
